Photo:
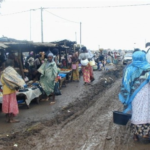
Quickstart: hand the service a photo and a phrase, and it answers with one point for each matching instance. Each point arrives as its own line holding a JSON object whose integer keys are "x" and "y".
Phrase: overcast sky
{"x": 115, "y": 27}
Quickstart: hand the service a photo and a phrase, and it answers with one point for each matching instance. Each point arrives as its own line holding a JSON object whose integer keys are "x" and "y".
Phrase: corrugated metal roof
{"x": 3, "y": 46}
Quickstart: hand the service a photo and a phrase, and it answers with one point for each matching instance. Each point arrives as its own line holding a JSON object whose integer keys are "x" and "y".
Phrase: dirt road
{"x": 85, "y": 124}
{"x": 44, "y": 111}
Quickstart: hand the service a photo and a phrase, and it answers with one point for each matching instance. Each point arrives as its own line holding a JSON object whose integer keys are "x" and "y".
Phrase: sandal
{"x": 135, "y": 137}
{"x": 14, "y": 121}
{"x": 45, "y": 100}
{"x": 146, "y": 137}
{"x": 52, "y": 103}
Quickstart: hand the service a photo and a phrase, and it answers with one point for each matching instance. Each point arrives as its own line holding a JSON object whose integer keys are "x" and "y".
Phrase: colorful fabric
{"x": 76, "y": 73}
{"x": 6, "y": 89}
{"x": 135, "y": 77}
{"x": 12, "y": 79}
{"x": 10, "y": 104}
{"x": 141, "y": 106}
{"x": 141, "y": 129}
{"x": 87, "y": 73}
{"x": 91, "y": 73}
{"x": 49, "y": 72}
{"x": 109, "y": 59}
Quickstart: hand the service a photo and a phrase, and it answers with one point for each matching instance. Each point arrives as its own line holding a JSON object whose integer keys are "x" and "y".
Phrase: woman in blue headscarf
{"x": 135, "y": 95}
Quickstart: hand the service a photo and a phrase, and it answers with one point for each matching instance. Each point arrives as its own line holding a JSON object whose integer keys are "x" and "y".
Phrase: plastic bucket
{"x": 62, "y": 75}
{"x": 121, "y": 118}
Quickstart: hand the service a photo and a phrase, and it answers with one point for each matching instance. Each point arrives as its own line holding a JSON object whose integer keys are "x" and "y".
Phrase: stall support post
{"x": 66, "y": 58}
{"x": 59, "y": 55}
{"x": 21, "y": 66}
{"x": 74, "y": 48}
{"x": 66, "y": 55}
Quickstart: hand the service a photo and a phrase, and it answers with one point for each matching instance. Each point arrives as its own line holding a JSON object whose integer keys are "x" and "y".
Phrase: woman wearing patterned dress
{"x": 135, "y": 94}
{"x": 9, "y": 105}
{"x": 87, "y": 71}
{"x": 75, "y": 72}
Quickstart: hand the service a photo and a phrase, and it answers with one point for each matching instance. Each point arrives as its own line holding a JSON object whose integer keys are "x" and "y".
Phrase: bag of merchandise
{"x": 56, "y": 89}
{"x": 12, "y": 79}
{"x": 84, "y": 62}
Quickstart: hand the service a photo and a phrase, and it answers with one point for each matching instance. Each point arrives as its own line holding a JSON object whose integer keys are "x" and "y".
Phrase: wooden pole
{"x": 66, "y": 55}
{"x": 66, "y": 58}
{"x": 59, "y": 55}
{"x": 20, "y": 62}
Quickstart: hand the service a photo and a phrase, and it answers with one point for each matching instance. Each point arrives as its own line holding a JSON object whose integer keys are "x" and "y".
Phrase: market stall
{"x": 68, "y": 73}
{"x": 20, "y": 49}
{"x": 29, "y": 94}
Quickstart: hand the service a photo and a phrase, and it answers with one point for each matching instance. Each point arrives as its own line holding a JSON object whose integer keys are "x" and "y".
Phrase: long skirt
{"x": 76, "y": 73}
{"x": 141, "y": 129}
{"x": 87, "y": 73}
{"x": 10, "y": 104}
{"x": 141, "y": 112}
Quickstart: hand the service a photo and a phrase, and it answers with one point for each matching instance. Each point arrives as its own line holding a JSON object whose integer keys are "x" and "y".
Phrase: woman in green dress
{"x": 49, "y": 72}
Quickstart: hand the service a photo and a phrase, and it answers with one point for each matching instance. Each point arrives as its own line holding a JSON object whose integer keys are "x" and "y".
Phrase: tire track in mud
{"x": 90, "y": 129}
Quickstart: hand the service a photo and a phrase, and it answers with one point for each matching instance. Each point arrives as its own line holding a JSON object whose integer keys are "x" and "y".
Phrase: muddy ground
{"x": 43, "y": 111}
{"x": 85, "y": 124}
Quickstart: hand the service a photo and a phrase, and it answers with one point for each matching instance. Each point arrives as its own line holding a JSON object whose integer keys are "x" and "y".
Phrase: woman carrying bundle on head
{"x": 10, "y": 80}
{"x": 87, "y": 70}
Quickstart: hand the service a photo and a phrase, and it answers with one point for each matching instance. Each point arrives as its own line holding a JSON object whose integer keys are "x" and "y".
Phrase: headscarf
{"x": 130, "y": 85}
{"x": 134, "y": 70}
{"x": 84, "y": 49}
{"x": 50, "y": 54}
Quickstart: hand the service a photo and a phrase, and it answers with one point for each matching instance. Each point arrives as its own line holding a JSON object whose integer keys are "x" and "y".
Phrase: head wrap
{"x": 50, "y": 54}
{"x": 134, "y": 70}
{"x": 130, "y": 83}
{"x": 84, "y": 49}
